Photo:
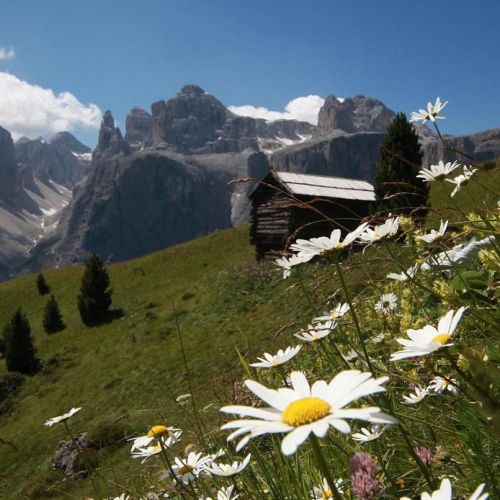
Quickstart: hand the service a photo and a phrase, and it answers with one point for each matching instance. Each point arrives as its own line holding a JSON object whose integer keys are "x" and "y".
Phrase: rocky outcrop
{"x": 138, "y": 128}
{"x": 195, "y": 122}
{"x": 29, "y": 203}
{"x": 356, "y": 114}
{"x": 483, "y": 146}
{"x": 110, "y": 141}
{"x": 9, "y": 185}
{"x": 64, "y": 141}
{"x": 345, "y": 155}
{"x": 242, "y": 133}
{"x": 53, "y": 161}
{"x": 73, "y": 457}
{"x": 189, "y": 120}
{"x": 130, "y": 206}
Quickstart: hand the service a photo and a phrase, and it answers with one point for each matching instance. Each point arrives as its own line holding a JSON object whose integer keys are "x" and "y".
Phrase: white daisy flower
{"x": 445, "y": 493}
{"x": 431, "y": 114}
{"x": 149, "y": 451}
{"x": 287, "y": 263}
{"x": 307, "y": 249}
{"x": 388, "y": 228}
{"x": 335, "y": 314}
{"x": 61, "y": 418}
{"x": 316, "y": 332}
{"x": 462, "y": 179}
{"x": 228, "y": 469}
{"x": 365, "y": 435}
{"x": 415, "y": 397}
{"x": 302, "y": 409}
{"x": 217, "y": 454}
{"x": 388, "y": 303}
{"x": 441, "y": 384}
{"x": 457, "y": 254}
{"x": 437, "y": 172}
{"x": 429, "y": 338}
{"x": 378, "y": 338}
{"x": 224, "y": 494}
{"x": 189, "y": 468}
{"x": 411, "y": 272}
{"x": 272, "y": 360}
{"x": 434, "y": 235}
{"x": 324, "y": 492}
{"x": 155, "y": 432}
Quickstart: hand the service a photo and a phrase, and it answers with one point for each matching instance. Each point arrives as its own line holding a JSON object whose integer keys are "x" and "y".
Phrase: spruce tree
{"x": 43, "y": 288}
{"x": 52, "y": 319}
{"x": 397, "y": 187}
{"x": 20, "y": 351}
{"x": 94, "y": 300}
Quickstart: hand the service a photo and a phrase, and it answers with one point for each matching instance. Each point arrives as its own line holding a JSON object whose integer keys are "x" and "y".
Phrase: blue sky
{"x": 121, "y": 53}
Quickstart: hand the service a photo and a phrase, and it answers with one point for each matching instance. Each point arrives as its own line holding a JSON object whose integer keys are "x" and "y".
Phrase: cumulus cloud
{"x": 304, "y": 108}
{"x": 7, "y": 53}
{"x": 31, "y": 110}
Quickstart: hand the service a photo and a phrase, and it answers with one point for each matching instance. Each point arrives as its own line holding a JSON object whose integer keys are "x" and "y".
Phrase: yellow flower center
{"x": 442, "y": 338}
{"x": 327, "y": 494}
{"x": 304, "y": 411}
{"x": 157, "y": 431}
{"x": 334, "y": 315}
{"x": 185, "y": 469}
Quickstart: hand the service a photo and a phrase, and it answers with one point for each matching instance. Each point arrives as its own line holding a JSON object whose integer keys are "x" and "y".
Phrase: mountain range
{"x": 176, "y": 174}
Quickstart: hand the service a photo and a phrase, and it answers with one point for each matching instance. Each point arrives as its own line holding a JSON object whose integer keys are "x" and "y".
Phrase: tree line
{"x": 93, "y": 302}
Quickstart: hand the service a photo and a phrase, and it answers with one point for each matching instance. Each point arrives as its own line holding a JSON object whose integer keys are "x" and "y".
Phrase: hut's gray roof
{"x": 325, "y": 186}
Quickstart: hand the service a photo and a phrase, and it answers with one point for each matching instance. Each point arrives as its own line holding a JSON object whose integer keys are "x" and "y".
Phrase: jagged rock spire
{"x": 111, "y": 141}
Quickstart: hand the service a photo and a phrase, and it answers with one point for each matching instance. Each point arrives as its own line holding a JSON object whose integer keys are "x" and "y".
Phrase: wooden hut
{"x": 286, "y": 206}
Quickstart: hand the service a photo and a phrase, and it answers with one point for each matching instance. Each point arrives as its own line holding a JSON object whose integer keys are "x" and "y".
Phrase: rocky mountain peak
{"x": 64, "y": 160}
{"x": 192, "y": 91}
{"x": 189, "y": 120}
{"x": 110, "y": 141}
{"x": 356, "y": 114}
{"x": 69, "y": 142}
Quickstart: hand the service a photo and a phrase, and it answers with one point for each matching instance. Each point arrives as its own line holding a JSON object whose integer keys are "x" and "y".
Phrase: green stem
{"x": 337, "y": 350}
{"x": 320, "y": 459}
{"x": 195, "y": 411}
{"x": 416, "y": 458}
{"x": 305, "y": 292}
{"x": 353, "y": 313}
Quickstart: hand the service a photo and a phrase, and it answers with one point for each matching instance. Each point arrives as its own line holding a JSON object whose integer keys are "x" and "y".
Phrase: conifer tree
{"x": 52, "y": 319}
{"x": 94, "y": 300}
{"x": 397, "y": 187}
{"x": 20, "y": 351}
{"x": 43, "y": 288}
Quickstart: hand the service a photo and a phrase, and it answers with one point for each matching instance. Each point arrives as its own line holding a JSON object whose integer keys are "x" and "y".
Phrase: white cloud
{"x": 30, "y": 110}
{"x": 7, "y": 53}
{"x": 304, "y": 108}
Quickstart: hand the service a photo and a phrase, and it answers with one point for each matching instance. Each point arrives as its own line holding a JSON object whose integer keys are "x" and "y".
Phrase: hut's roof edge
{"x": 324, "y": 186}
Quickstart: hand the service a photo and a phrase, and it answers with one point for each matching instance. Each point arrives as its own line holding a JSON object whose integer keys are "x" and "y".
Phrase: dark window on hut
{"x": 287, "y": 206}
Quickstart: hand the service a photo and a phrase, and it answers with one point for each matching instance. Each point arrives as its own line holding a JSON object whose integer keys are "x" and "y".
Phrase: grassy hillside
{"x": 127, "y": 374}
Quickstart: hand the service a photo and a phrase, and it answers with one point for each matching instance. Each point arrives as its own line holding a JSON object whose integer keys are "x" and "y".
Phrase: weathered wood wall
{"x": 278, "y": 218}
